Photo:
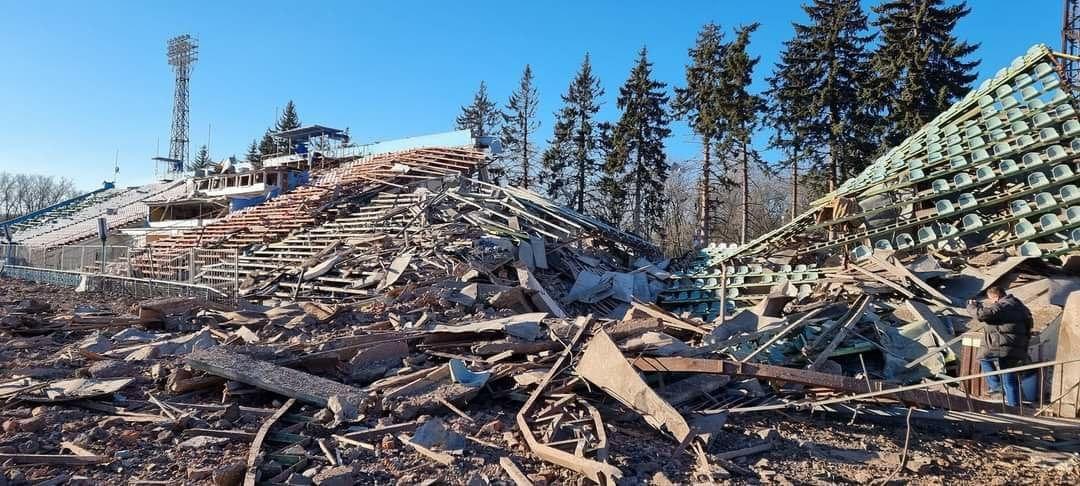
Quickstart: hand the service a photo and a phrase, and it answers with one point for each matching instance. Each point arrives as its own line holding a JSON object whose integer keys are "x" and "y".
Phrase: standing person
{"x": 1006, "y": 334}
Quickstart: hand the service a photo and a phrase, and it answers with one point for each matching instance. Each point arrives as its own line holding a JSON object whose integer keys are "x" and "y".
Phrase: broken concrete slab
{"x": 603, "y": 365}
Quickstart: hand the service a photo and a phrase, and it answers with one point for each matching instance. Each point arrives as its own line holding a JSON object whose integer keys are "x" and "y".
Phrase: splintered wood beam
{"x": 598, "y": 472}
{"x": 878, "y": 388}
{"x": 260, "y": 436}
{"x": 53, "y": 459}
{"x": 268, "y": 376}
{"x": 855, "y": 317}
{"x": 783, "y": 332}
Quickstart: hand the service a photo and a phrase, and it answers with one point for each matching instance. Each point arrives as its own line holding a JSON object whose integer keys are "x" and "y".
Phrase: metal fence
{"x": 109, "y": 260}
{"x": 115, "y": 284}
{"x": 213, "y": 268}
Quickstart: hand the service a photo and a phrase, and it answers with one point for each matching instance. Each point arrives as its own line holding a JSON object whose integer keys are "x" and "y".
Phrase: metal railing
{"x": 213, "y": 268}
{"x": 109, "y": 260}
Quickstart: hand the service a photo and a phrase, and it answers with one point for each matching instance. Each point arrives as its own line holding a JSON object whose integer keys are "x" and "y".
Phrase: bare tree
{"x": 25, "y": 193}
{"x": 680, "y": 219}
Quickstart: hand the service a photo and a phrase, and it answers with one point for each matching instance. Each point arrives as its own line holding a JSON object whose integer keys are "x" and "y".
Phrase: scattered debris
{"x": 389, "y": 334}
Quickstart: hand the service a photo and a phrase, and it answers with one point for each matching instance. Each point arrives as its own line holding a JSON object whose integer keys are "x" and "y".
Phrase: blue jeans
{"x": 1017, "y": 386}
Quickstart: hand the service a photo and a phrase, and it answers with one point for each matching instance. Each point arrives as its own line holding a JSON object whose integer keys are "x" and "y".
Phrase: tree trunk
{"x": 704, "y": 210}
{"x": 525, "y": 155}
{"x": 795, "y": 185}
{"x": 581, "y": 188}
{"x": 832, "y": 172}
{"x": 637, "y": 195}
{"x": 833, "y": 169}
{"x": 745, "y": 226}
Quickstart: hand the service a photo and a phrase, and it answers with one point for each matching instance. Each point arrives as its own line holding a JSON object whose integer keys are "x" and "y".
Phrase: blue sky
{"x": 81, "y": 80}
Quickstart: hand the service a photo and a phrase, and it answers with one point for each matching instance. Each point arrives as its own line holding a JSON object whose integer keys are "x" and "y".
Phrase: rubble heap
{"x": 493, "y": 389}
{"x": 422, "y": 326}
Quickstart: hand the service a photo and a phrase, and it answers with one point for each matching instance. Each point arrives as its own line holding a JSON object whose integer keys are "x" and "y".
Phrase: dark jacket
{"x": 1008, "y": 328}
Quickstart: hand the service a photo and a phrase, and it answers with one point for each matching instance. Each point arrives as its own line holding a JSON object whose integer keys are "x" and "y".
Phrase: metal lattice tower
{"x": 1070, "y": 43}
{"x": 183, "y": 51}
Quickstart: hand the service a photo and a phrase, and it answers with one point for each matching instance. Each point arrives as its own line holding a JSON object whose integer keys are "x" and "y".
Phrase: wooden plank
{"x": 519, "y": 478}
{"x": 602, "y": 364}
{"x": 284, "y": 381}
{"x": 228, "y": 434}
{"x": 528, "y": 280}
{"x": 380, "y": 431}
{"x": 856, "y": 316}
{"x": 783, "y": 332}
{"x": 52, "y": 459}
{"x": 439, "y": 457}
{"x": 888, "y": 283}
{"x": 916, "y": 394}
{"x": 746, "y": 451}
{"x": 900, "y": 270}
{"x": 260, "y": 436}
{"x": 598, "y": 472}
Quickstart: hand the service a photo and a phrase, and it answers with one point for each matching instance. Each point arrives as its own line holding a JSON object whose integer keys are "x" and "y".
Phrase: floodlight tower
{"x": 183, "y": 51}
{"x": 1070, "y": 43}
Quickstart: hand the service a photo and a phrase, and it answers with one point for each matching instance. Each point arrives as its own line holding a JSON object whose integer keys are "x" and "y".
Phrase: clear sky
{"x": 81, "y": 80}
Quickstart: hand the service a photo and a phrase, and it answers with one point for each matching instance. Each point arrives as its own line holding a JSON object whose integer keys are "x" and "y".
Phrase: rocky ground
{"x": 805, "y": 449}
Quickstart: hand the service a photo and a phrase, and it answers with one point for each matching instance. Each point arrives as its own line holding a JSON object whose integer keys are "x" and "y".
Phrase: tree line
{"x": 260, "y": 148}
{"x": 844, "y": 89}
{"x": 25, "y": 193}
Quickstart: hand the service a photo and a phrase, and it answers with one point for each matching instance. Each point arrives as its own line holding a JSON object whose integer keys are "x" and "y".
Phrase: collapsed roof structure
{"x": 996, "y": 172}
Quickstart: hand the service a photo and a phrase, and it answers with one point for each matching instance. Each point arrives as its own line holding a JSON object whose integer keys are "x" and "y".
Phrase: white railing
{"x": 215, "y": 268}
{"x": 111, "y": 260}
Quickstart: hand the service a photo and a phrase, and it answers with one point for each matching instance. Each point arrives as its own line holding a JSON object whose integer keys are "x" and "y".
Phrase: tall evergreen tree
{"x": 570, "y": 164}
{"x": 741, "y": 114}
{"x": 253, "y": 157}
{"x": 519, "y": 128}
{"x": 610, "y": 202}
{"x": 701, "y": 104}
{"x": 638, "y": 143}
{"x": 289, "y": 120}
{"x": 201, "y": 160}
{"x": 921, "y": 67}
{"x": 789, "y": 114}
{"x": 829, "y": 60}
{"x": 481, "y": 117}
{"x": 267, "y": 146}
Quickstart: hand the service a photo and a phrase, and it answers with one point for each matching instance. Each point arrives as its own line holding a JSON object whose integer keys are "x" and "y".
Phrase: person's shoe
{"x": 994, "y": 394}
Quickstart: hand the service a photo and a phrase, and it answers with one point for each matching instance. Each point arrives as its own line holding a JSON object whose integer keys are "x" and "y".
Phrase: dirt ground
{"x": 806, "y": 449}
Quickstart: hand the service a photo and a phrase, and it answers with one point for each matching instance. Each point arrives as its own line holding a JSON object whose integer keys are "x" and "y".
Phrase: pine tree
{"x": 519, "y": 126}
{"x": 921, "y": 67}
{"x": 610, "y": 203}
{"x": 638, "y": 143}
{"x": 741, "y": 114}
{"x": 826, "y": 66}
{"x": 700, "y": 103}
{"x": 481, "y": 117}
{"x": 789, "y": 114}
{"x": 570, "y": 164}
{"x": 254, "y": 157}
{"x": 288, "y": 120}
{"x": 201, "y": 160}
{"x": 267, "y": 146}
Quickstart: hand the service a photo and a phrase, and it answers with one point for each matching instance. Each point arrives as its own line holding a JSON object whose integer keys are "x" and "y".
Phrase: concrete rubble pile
{"x": 451, "y": 331}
